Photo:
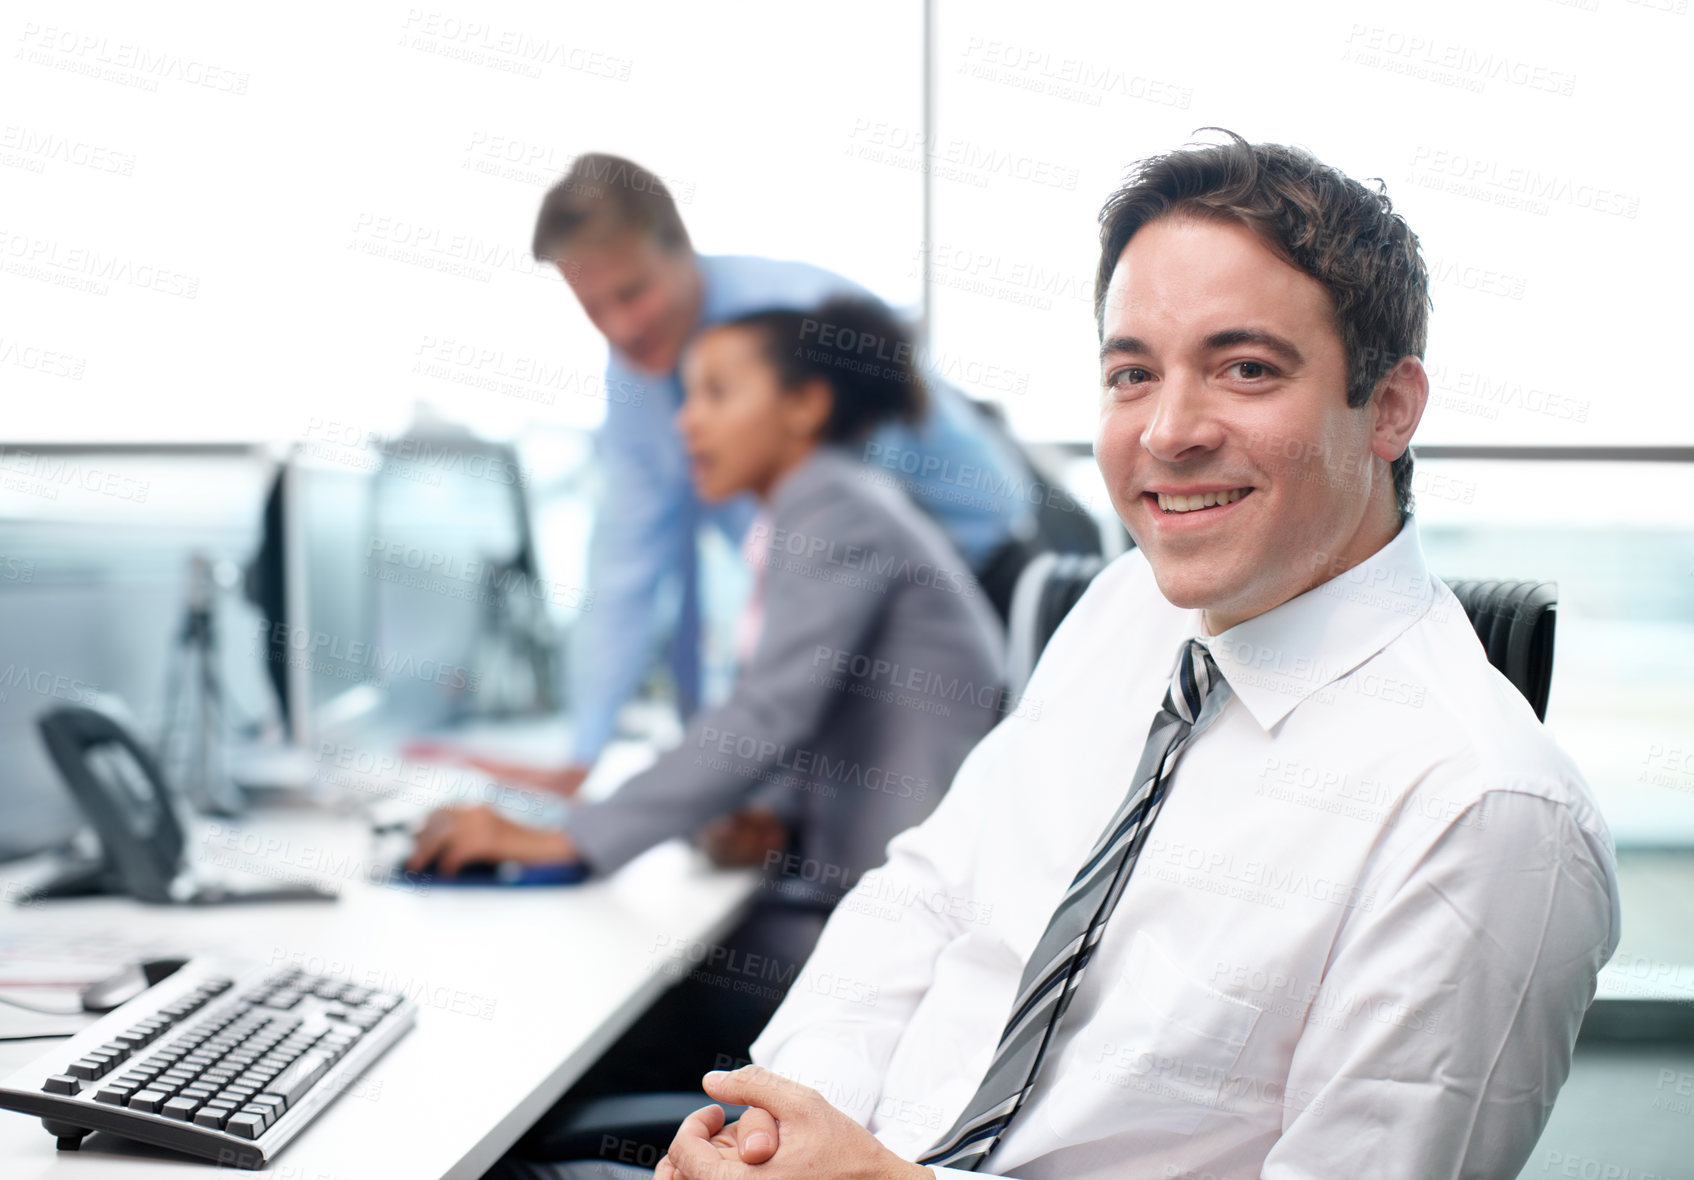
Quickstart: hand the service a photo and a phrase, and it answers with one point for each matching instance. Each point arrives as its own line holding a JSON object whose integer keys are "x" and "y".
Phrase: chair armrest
{"x": 629, "y": 1128}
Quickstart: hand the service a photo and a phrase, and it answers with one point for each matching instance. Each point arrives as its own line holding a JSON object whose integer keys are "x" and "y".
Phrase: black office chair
{"x": 627, "y": 1128}
{"x": 1513, "y": 620}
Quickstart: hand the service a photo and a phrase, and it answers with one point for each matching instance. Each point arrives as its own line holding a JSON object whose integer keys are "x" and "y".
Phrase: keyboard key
{"x": 62, "y": 1083}
{"x": 213, "y": 1115}
{"x": 147, "y": 1100}
{"x": 274, "y": 1100}
{"x": 245, "y": 1124}
{"x": 294, "y": 1081}
{"x": 180, "y": 1108}
{"x": 264, "y": 1112}
{"x": 86, "y": 1069}
{"x": 336, "y": 1046}
{"x": 114, "y": 1094}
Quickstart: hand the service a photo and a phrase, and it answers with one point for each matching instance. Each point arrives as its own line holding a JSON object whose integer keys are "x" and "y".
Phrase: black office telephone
{"x": 120, "y": 788}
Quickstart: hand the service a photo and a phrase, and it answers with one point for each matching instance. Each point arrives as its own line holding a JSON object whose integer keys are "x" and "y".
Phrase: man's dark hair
{"x": 859, "y": 348}
{"x": 1344, "y": 235}
{"x": 604, "y": 193}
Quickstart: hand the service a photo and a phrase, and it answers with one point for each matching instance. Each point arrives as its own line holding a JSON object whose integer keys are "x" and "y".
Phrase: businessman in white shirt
{"x": 1349, "y": 923}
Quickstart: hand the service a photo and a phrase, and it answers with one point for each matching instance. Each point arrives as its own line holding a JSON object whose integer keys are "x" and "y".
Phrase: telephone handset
{"x": 120, "y": 788}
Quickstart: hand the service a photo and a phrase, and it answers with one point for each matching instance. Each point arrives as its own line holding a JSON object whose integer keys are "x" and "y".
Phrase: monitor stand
{"x": 83, "y": 877}
{"x": 273, "y": 770}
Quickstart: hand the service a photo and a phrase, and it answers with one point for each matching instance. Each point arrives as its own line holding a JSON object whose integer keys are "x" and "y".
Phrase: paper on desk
{"x": 54, "y": 959}
{"x": 49, "y": 970}
{"x": 16, "y": 1023}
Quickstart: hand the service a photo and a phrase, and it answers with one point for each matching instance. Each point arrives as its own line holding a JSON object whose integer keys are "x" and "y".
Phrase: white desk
{"x": 519, "y": 991}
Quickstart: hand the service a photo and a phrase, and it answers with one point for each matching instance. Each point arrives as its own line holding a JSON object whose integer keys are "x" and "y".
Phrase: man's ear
{"x": 1398, "y": 405}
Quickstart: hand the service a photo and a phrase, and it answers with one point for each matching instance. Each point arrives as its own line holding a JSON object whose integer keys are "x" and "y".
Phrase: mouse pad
{"x": 503, "y": 873}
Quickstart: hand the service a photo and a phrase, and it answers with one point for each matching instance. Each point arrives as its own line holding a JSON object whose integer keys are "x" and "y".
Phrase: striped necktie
{"x": 1197, "y": 694}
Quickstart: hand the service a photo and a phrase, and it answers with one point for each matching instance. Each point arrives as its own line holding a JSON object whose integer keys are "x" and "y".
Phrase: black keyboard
{"x": 218, "y": 1061}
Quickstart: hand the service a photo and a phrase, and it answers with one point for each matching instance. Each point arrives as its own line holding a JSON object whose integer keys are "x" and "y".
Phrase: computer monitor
{"x": 97, "y": 543}
{"x": 398, "y": 581}
{"x": 451, "y": 565}
{"x": 318, "y": 606}
{"x": 52, "y": 656}
{"x": 333, "y": 680}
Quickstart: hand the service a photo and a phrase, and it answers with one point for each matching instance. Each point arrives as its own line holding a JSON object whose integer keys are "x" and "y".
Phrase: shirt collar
{"x": 1276, "y": 660}
{"x": 716, "y": 303}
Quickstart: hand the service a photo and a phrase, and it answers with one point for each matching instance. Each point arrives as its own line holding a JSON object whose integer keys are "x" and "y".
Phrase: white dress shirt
{"x": 1358, "y": 942}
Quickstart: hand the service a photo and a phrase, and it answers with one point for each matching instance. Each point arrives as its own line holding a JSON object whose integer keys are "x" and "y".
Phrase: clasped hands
{"x": 789, "y": 1132}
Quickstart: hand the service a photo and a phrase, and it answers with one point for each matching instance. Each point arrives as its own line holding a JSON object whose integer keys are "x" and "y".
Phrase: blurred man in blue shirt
{"x": 613, "y": 230}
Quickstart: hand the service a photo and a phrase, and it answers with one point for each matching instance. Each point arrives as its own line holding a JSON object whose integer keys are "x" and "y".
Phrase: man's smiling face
{"x": 1225, "y": 437}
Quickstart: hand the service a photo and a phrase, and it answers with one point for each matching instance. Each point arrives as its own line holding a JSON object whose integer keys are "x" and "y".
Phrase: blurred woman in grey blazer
{"x": 870, "y": 661}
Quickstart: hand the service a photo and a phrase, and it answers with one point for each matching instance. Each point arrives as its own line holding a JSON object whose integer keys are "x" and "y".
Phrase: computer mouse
{"x": 122, "y": 986}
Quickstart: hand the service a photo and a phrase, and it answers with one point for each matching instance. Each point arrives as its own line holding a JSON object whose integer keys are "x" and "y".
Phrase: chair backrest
{"x": 1513, "y": 620}
{"x": 1046, "y": 590}
{"x": 1061, "y": 523}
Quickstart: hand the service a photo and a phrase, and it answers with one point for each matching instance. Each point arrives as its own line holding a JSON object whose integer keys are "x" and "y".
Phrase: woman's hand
{"x": 743, "y": 838}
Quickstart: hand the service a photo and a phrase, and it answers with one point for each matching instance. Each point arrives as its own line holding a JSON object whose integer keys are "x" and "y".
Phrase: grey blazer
{"x": 878, "y": 666}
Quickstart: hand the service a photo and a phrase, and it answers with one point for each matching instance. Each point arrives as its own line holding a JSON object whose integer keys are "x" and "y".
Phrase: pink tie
{"x": 755, "y": 551}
